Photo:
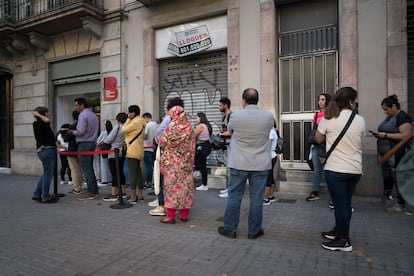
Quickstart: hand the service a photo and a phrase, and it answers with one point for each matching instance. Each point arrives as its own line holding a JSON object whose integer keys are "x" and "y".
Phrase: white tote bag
{"x": 156, "y": 174}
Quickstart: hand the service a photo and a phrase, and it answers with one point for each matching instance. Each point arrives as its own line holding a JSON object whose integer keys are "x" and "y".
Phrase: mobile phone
{"x": 373, "y": 132}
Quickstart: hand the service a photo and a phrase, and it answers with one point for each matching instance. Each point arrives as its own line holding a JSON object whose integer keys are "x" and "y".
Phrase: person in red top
{"x": 323, "y": 100}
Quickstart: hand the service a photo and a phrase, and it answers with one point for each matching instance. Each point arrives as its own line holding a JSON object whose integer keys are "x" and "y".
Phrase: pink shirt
{"x": 320, "y": 115}
{"x": 204, "y": 135}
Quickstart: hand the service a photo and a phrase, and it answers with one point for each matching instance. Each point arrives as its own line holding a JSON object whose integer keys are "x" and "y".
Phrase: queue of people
{"x": 251, "y": 135}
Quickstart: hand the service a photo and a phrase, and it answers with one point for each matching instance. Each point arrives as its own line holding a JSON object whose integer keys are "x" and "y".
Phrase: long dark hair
{"x": 327, "y": 98}
{"x": 204, "y": 120}
{"x": 340, "y": 101}
{"x": 108, "y": 126}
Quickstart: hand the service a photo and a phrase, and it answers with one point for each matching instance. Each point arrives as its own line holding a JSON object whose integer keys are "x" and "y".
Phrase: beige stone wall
{"x": 33, "y": 88}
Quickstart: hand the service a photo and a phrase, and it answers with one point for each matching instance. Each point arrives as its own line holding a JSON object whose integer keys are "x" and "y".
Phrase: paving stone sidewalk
{"x": 74, "y": 237}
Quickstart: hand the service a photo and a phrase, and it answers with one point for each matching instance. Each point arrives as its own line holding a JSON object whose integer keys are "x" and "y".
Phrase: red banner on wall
{"x": 110, "y": 91}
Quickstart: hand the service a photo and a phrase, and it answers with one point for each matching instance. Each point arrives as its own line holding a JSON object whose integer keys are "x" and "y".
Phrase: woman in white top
{"x": 61, "y": 145}
{"x": 270, "y": 185}
{"x": 203, "y": 148}
{"x": 343, "y": 168}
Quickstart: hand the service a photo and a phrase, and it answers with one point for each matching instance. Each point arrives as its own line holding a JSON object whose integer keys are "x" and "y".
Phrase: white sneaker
{"x": 157, "y": 211}
{"x": 70, "y": 183}
{"x": 196, "y": 174}
{"x": 102, "y": 184}
{"x": 63, "y": 182}
{"x": 153, "y": 203}
{"x": 202, "y": 188}
{"x": 223, "y": 191}
{"x": 223, "y": 195}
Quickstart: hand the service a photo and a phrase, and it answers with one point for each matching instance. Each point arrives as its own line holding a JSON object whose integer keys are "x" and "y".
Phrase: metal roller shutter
{"x": 200, "y": 80}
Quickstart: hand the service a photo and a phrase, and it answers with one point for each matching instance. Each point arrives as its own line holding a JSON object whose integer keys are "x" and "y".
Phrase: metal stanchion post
{"x": 55, "y": 180}
{"x": 121, "y": 204}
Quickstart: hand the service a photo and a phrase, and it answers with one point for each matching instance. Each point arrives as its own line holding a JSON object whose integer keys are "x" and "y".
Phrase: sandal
{"x": 168, "y": 221}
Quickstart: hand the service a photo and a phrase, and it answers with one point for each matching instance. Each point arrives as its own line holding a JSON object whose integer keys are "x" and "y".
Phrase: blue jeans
{"x": 148, "y": 165}
{"x": 86, "y": 162}
{"x": 160, "y": 196}
{"x": 341, "y": 187}
{"x": 317, "y": 169}
{"x": 48, "y": 158}
{"x": 237, "y": 186}
{"x": 126, "y": 171}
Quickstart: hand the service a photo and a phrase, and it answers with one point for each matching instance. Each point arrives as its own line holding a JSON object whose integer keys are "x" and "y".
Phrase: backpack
{"x": 280, "y": 145}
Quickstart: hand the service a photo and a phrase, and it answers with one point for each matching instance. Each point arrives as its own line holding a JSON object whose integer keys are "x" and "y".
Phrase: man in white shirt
{"x": 150, "y": 133}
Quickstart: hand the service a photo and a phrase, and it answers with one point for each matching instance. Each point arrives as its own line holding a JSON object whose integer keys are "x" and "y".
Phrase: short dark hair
{"x": 41, "y": 109}
{"x": 251, "y": 96}
{"x": 147, "y": 115}
{"x": 75, "y": 115}
{"x": 135, "y": 109}
{"x": 175, "y": 101}
{"x": 122, "y": 117}
{"x": 226, "y": 101}
{"x": 81, "y": 101}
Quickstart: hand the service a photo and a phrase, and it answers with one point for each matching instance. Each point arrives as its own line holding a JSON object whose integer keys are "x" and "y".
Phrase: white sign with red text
{"x": 189, "y": 38}
{"x": 190, "y": 41}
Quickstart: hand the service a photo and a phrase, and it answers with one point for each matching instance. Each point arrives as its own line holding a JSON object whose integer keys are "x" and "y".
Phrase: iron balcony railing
{"x": 17, "y": 10}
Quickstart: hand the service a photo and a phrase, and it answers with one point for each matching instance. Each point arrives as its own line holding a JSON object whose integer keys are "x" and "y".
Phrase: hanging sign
{"x": 190, "y": 41}
{"x": 110, "y": 91}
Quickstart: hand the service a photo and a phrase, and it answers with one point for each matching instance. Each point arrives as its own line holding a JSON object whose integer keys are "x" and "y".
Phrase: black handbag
{"x": 105, "y": 146}
{"x": 311, "y": 137}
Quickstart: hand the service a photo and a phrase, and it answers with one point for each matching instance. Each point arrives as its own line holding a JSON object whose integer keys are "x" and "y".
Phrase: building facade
{"x": 118, "y": 53}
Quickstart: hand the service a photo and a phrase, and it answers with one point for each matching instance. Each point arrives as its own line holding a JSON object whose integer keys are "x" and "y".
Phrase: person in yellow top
{"x": 134, "y": 130}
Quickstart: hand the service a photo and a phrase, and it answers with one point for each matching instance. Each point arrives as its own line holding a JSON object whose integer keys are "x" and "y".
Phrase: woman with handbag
{"x": 117, "y": 141}
{"x": 342, "y": 130}
{"x": 323, "y": 100}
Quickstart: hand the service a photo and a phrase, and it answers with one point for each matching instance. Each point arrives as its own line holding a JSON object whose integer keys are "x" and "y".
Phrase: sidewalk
{"x": 74, "y": 237}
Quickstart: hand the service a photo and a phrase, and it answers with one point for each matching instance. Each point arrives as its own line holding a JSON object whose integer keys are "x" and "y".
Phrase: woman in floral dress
{"x": 178, "y": 149}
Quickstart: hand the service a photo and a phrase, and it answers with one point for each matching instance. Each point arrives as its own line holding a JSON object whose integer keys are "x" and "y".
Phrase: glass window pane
{"x": 330, "y": 73}
{"x": 296, "y": 141}
{"x": 286, "y": 138}
{"x": 285, "y": 86}
{"x": 307, "y": 84}
{"x": 307, "y": 126}
{"x": 318, "y": 78}
{"x": 296, "y": 85}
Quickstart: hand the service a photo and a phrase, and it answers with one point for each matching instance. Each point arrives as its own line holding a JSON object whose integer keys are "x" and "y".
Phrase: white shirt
{"x": 273, "y": 138}
{"x": 347, "y": 155}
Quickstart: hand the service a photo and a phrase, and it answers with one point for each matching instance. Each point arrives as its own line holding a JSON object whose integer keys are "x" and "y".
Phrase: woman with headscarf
{"x": 178, "y": 146}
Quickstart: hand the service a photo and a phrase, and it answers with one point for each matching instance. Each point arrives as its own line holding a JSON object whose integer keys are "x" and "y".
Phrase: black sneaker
{"x": 38, "y": 199}
{"x": 52, "y": 200}
{"x": 338, "y": 245}
{"x": 266, "y": 201}
{"x": 110, "y": 197}
{"x": 330, "y": 235}
{"x": 313, "y": 196}
{"x": 272, "y": 199}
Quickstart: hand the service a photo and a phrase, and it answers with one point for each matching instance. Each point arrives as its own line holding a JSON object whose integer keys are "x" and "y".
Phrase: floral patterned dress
{"x": 177, "y": 143}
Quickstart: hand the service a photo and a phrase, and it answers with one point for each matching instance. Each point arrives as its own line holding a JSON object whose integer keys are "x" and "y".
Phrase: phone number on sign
{"x": 195, "y": 46}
